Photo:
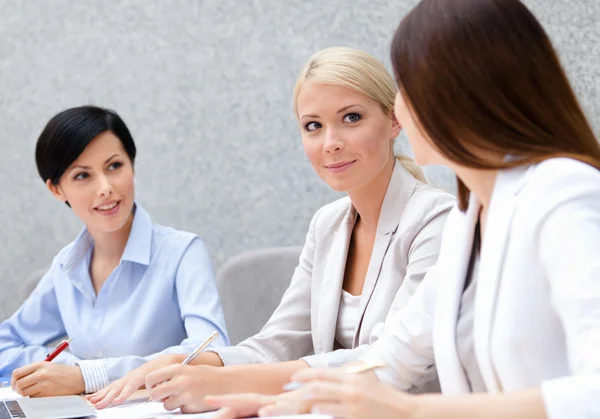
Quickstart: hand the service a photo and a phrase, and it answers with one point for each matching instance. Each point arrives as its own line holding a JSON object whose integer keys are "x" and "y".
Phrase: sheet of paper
{"x": 211, "y": 414}
{"x": 140, "y": 409}
{"x": 7, "y": 393}
{"x": 135, "y": 409}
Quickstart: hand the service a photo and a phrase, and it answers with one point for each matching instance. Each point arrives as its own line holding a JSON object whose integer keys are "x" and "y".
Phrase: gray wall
{"x": 205, "y": 87}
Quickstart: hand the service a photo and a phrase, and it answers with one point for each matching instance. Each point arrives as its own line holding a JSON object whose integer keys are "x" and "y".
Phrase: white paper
{"x": 211, "y": 414}
{"x": 134, "y": 409}
{"x": 141, "y": 409}
{"x": 7, "y": 393}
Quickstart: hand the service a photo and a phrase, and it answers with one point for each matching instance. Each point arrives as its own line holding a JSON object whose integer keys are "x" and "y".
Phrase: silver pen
{"x": 354, "y": 369}
{"x": 198, "y": 350}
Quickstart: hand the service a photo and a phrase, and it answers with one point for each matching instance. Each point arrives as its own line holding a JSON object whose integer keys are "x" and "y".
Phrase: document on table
{"x": 134, "y": 409}
{"x": 7, "y": 393}
{"x": 211, "y": 414}
{"x": 141, "y": 409}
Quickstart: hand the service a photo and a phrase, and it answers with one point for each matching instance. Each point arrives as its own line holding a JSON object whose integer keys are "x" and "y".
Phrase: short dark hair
{"x": 69, "y": 132}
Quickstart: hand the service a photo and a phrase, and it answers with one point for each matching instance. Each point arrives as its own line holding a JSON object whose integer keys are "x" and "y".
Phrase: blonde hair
{"x": 360, "y": 72}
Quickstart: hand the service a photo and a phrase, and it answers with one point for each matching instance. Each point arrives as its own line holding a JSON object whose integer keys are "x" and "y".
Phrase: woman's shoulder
{"x": 563, "y": 184}
{"x": 169, "y": 236}
{"x": 427, "y": 202}
{"x": 432, "y": 196}
{"x": 332, "y": 215}
{"x": 562, "y": 170}
{"x": 560, "y": 179}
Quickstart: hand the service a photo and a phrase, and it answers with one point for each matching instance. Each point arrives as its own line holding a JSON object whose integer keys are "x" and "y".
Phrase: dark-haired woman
{"x": 125, "y": 289}
{"x": 510, "y": 315}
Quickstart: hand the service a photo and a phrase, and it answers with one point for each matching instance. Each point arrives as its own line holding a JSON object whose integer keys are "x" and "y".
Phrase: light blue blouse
{"x": 161, "y": 298}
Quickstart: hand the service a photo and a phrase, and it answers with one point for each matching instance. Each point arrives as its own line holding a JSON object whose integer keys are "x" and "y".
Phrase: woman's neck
{"x": 110, "y": 246}
{"x": 368, "y": 200}
{"x": 479, "y": 182}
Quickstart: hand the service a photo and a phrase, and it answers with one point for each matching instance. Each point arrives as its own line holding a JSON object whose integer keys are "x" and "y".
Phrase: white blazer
{"x": 407, "y": 243}
{"x": 537, "y": 302}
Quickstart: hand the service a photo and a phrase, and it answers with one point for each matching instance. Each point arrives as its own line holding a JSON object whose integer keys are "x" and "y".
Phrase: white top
{"x": 537, "y": 305}
{"x": 347, "y": 319}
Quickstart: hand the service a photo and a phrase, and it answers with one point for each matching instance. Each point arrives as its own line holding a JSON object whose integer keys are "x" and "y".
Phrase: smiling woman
{"x": 364, "y": 256}
{"x": 121, "y": 267}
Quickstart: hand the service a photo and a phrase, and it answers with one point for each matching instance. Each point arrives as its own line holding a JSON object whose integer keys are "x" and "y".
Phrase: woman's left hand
{"x": 44, "y": 379}
{"x": 348, "y": 396}
{"x": 235, "y": 406}
{"x": 325, "y": 391}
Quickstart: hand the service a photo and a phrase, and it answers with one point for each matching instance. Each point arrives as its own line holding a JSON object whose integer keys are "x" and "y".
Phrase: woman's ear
{"x": 56, "y": 191}
{"x": 396, "y": 127}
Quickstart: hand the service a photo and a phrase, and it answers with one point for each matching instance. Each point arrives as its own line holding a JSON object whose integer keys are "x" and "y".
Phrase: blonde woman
{"x": 364, "y": 256}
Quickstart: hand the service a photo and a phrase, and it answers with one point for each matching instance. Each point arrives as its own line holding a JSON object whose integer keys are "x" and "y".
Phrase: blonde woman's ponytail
{"x": 412, "y": 167}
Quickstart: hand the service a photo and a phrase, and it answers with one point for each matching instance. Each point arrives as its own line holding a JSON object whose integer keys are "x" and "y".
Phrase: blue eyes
{"x": 85, "y": 175}
{"x": 352, "y": 117}
{"x": 311, "y": 126}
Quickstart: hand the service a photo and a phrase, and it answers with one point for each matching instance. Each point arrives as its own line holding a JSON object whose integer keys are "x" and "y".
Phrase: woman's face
{"x": 346, "y": 135}
{"x": 99, "y": 185}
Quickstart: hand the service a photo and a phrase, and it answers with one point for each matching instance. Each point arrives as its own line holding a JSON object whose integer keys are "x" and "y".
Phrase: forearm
{"x": 259, "y": 378}
{"x": 207, "y": 358}
{"x": 527, "y": 404}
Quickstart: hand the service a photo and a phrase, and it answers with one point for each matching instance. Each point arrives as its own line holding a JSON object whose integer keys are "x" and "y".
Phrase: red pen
{"x": 58, "y": 349}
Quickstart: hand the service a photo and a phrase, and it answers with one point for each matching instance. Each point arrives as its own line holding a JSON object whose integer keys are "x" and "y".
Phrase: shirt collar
{"x": 139, "y": 243}
{"x": 400, "y": 189}
{"x": 137, "y": 249}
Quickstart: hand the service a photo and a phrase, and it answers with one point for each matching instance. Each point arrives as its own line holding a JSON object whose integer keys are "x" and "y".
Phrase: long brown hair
{"x": 482, "y": 75}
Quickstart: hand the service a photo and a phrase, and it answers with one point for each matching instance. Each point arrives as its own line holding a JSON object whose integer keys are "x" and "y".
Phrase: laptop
{"x": 63, "y": 407}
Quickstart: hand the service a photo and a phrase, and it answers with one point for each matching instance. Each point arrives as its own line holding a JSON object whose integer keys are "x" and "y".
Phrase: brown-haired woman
{"x": 512, "y": 308}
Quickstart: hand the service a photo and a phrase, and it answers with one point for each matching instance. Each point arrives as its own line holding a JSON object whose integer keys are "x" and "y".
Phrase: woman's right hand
{"x": 119, "y": 391}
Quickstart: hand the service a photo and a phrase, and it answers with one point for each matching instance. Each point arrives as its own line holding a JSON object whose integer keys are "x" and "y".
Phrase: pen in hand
{"x": 354, "y": 369}
{"x": 58, "y": 349}
{"x": 198, "y": 351}
{"x": 200, "y": 348}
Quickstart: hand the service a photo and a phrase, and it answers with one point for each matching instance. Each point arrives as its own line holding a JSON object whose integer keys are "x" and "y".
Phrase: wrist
{"x": 220, "y": 380}
{"x": 78, "y": 381}
{"x": 415, "y": 406}
{"x": 93, "y": 375}
{"x": 175, "y": 358}
{"x": 208, "y": 358}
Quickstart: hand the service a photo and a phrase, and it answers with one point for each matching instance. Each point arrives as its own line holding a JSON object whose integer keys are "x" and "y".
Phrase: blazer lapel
{"x": 493, "y": 250}
{"x": 456, "y": 252}
{"x": 400, "y": 189}
{"x": 331, "y": 287}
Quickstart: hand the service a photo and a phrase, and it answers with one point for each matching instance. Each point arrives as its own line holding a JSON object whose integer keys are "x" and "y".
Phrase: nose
{"x": 104, "y": 186}
{"x": 333, "y": 142}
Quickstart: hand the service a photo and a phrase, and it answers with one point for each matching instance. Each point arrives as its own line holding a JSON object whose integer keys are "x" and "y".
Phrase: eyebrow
{"x": 345, "y": 108}
{"x": 88, "y": 167}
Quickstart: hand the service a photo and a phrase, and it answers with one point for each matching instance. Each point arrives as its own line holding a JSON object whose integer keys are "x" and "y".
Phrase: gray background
{"x": 205, "y": 87}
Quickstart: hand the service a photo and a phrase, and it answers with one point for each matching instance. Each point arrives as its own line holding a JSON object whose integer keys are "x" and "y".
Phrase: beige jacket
{"x": 407, "y": 243}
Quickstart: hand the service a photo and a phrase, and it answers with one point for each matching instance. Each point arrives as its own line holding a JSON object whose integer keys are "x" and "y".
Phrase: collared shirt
{"x": 161, "y": 298}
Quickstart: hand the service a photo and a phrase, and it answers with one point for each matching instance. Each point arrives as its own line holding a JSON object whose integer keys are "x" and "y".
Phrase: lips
{"x": 340, "y": 167}
{"x": 107, "y": 206}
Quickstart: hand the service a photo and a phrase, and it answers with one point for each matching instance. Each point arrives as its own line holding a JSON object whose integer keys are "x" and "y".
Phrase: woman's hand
{"x": 342, "y": 395}
{"x": 235, "y": 406}
{"x": 44, "y": 379}
{"x": 120, "y": 390}
{"x": 184, "y": 386}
